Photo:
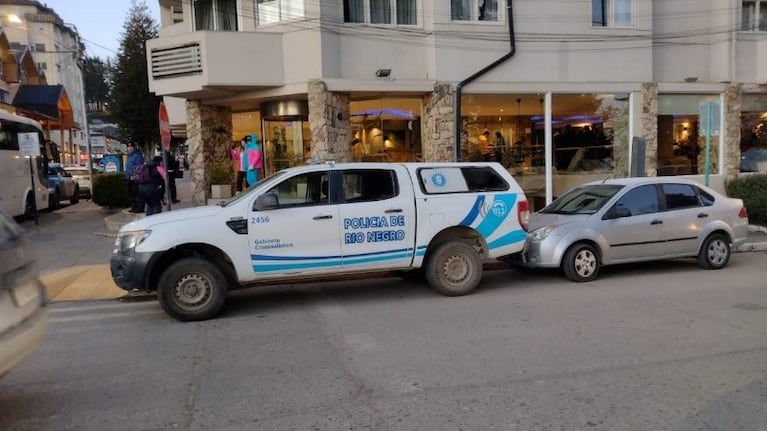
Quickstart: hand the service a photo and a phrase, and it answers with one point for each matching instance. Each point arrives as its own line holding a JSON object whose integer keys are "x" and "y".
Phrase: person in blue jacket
{"x": 135, "y": 158}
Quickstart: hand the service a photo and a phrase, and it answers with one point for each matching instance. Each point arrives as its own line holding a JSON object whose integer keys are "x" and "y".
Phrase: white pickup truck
{"x": 325, "y": 220}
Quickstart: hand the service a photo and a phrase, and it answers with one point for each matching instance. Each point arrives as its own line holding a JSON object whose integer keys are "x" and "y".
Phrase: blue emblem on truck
{"x": 438, "y": 180}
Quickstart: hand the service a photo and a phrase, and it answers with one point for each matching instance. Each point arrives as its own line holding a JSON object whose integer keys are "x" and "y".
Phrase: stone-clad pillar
{"x": 732, "y": 130}
{"x": 329, "y": 123}
{"x": 649, "y": 126}
{"x": 209, "y": 135}
{"x": 438, "y": 125}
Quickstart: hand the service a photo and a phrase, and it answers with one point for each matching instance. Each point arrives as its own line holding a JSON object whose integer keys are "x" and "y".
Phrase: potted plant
{"x": 220, "y": 176}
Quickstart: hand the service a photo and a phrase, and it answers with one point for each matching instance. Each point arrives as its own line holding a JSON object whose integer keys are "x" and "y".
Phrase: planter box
{"x": 220, "y": 191}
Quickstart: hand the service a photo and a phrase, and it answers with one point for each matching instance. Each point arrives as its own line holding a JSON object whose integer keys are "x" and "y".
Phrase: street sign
{"x": 29, "y": 144}
{"x": 164, "y": 127}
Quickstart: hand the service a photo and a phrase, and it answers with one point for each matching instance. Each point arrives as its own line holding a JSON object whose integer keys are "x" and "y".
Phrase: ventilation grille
{"x": 177, "y": 61}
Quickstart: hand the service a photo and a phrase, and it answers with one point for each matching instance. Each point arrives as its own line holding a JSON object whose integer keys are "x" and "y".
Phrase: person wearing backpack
{"x": 151, "y": 187}
{"x": 135, "y": 159}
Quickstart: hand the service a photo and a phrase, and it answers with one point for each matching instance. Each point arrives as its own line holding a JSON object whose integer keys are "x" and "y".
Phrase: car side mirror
{"x": 617, "y": 212}
{"x": 266, "y": 201}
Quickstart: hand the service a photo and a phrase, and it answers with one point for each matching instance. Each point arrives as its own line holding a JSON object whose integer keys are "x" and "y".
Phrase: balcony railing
{"x": 176, "y": 61}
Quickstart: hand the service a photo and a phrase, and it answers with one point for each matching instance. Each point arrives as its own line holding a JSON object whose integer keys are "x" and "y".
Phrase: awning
{"x": 40, "y": 99}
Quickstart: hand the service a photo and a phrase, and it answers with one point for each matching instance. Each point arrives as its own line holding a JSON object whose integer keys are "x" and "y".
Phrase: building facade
{"x": 55, "y": 46}
{"x": 559, "y": 92}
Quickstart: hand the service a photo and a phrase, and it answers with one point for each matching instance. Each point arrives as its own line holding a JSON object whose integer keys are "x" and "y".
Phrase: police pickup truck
{"x": 325, "y": 220}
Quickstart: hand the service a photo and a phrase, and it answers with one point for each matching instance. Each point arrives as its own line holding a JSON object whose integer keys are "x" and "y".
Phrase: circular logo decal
{"x": 438, "y": 180}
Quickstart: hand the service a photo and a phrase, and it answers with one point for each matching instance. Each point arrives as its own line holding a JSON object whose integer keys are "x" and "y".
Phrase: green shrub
{"x": 753, "y": 190}
{"x": 110, "y": 191}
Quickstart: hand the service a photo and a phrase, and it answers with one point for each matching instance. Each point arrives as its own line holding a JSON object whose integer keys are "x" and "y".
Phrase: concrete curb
{"x": 114, "y": 222}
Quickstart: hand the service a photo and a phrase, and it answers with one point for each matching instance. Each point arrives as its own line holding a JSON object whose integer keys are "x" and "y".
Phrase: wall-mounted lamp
{"x": 691, "y": 79}
{"x": 383, "y": 73}
{"x": 13, "y": 18}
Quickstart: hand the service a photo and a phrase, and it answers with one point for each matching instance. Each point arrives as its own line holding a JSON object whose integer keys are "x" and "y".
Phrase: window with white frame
{"x": 399, "y": 12}
{"x": 612, "y": 13}
{"x": 274, "y": 11}
{"x": 215, "y": 15}
{"x": 474, "y": 10}
{"x": 754, "y": 15}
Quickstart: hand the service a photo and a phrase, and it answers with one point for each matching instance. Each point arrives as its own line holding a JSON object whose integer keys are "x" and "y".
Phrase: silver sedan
{"x": 632, "y": 220}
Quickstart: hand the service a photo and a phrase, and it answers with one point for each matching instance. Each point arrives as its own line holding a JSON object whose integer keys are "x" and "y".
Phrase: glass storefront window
{"x": 682, "y": 139}
{"x": 589, "y": 138}
{"x": 286, "y": 143}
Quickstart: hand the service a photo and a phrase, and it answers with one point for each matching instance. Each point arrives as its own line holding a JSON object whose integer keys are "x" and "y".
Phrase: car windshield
{"x": 583, "y": 200}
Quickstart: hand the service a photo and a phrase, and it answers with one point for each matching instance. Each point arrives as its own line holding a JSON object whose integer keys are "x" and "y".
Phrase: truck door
{"x": 300, "y": 234}
{"x": 377, "y": 213}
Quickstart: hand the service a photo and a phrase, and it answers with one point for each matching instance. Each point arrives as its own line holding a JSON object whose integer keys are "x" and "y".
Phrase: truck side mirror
{"x": 267, "y": 201}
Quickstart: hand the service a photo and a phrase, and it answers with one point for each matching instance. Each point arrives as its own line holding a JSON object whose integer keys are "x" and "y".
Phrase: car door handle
{"x": 702, "y": 215}
{"x": 398, "y": 210}
{"x": 656, "y": 221}
{"x": 323, "y": 217}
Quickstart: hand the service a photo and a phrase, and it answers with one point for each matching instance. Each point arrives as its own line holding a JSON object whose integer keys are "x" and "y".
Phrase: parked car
{"x": 754, "y": 160}
{"x": 631, "y": 220}
{"x": 61, "y": 186}
{"x": 23, "y": 315}
{"x": 80, "y": 175}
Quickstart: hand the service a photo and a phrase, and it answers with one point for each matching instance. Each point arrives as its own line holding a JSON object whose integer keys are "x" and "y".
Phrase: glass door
{"x": 286, "y": 143}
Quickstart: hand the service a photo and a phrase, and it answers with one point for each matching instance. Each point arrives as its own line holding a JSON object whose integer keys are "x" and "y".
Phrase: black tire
{"x": 54, "y": 200}
{"x": 29, "y": 206}
{"x": 454, "y": 268}
{"x": 581, "y": 263}
{"x": 192, "y": 289}
{"x": 715, "y": 252}
{"x": 76, "y": 197}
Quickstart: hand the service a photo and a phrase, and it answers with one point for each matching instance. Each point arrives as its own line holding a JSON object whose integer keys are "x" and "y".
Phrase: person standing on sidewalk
{"x": 173, "y": 167}
{"x": 135, "y": 159}
{"x": 253, "y": 158}
{"x": 238, "y": 164}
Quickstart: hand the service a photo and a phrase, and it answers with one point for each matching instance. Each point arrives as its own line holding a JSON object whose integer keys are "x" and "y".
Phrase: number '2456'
{"x": 259, "y": 219}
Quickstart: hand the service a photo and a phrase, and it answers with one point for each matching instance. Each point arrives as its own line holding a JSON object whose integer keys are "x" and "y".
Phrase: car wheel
{"x": 715, "y": 252}
{"x": 581, "y": 263}
{"x": 76, "y": 197}
{"x": 192, "y": 289}
{"x": 454, "y": 269}
{"x": 54, "y": 200}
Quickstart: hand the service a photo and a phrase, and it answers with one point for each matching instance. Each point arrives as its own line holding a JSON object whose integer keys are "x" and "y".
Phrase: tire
{"x": 29, "y": 207}
{"x": 192, "y": 289}
{"x": 715, "y": 252}
{"x": 581, "y": 263}
{"x": 54, "y": 200}
{"x": 76, "y": 197}
{"x": 454, "y": 269}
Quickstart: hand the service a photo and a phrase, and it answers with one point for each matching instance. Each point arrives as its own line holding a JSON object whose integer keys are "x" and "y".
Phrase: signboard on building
{"x": 164, "y": 127}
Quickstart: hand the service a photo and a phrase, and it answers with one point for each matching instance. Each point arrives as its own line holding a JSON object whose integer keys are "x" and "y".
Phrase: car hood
{"x": 173, "y": 217}
{"x": 539, "y": 220}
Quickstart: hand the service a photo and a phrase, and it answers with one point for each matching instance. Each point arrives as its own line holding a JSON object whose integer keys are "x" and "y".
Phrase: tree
{"x": 133, "y": 106}
{"x": 97, "y": 81}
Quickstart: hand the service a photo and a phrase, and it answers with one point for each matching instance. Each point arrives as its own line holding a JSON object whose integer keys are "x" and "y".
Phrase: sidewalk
{"x": 94, "y": 282}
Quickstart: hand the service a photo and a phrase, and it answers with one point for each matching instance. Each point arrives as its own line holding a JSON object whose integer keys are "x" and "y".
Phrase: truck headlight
{"x": 127, "y": 241}
{"x": 541, "y": 233}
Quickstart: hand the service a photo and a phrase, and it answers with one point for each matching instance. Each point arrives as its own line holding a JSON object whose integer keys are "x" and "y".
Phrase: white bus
{"x": 17, "y": 196}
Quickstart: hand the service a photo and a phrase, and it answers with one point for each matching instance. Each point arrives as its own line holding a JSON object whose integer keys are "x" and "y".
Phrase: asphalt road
{"x": 663, "y": 346}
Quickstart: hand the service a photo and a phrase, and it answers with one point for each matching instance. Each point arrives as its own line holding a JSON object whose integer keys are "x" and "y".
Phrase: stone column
{"x": 209, "y": 134}
{"x": 438, "y": 125}
{"x": 648, "y": 128}
{"x": 329, "y": 123}
{"x": 732, "y": 130}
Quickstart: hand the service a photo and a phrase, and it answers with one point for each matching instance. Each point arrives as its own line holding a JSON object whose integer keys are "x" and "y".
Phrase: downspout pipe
{"x": 484, "y": 70}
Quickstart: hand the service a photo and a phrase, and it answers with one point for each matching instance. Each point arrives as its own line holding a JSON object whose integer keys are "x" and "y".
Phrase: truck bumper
{"x": 130, "y": 272}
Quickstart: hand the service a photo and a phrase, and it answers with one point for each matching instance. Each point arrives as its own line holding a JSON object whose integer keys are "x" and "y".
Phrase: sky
{"x": 99, "y": 22}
